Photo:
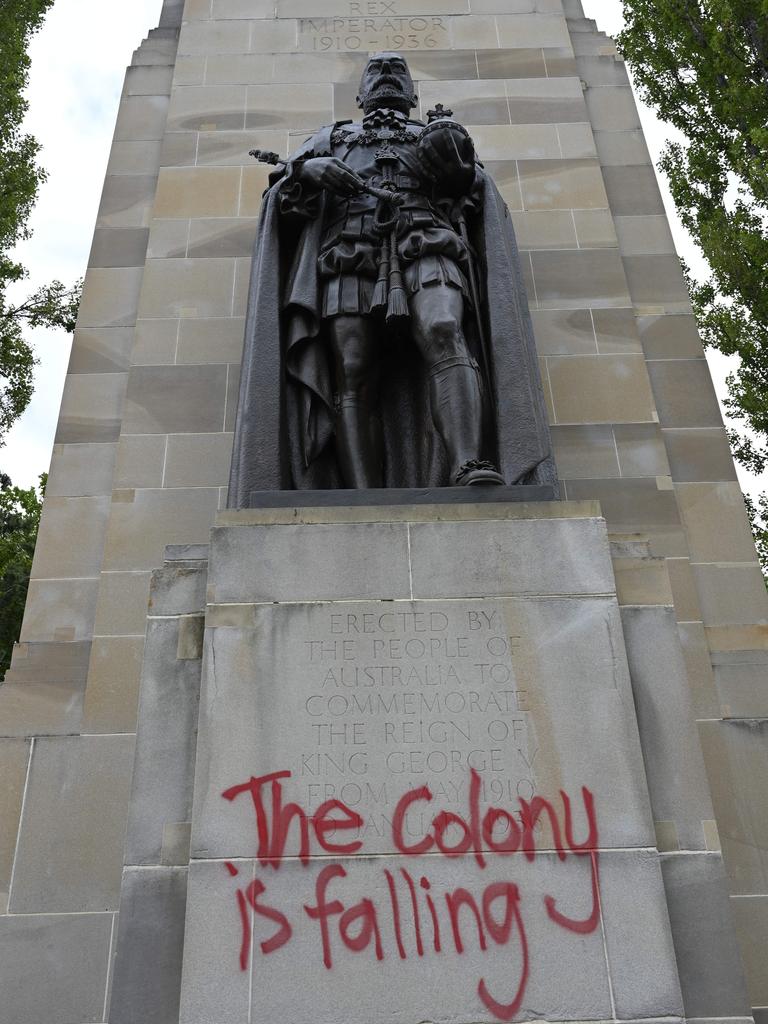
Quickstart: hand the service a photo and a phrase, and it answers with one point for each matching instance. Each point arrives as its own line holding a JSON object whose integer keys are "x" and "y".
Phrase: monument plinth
{"x": 419, "y": 789}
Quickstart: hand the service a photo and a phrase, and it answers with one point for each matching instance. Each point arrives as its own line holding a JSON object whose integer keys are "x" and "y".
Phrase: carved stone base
{"x": 444, "y": 698}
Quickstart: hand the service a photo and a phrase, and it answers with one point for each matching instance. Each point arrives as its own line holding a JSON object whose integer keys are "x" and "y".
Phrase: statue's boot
{"x": 478, "y": 471}
{"x": 358, "y": 443}
{"x": 457, "y": 411}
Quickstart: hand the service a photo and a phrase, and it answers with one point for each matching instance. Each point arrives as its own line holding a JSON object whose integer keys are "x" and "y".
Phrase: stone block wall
{"x": 67, "y": 750}
{"x": 718, "y": 594}
{"x": 143, "y": 445}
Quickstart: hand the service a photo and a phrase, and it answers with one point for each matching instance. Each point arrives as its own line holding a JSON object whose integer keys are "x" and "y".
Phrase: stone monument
{"x": 348, "y": 738}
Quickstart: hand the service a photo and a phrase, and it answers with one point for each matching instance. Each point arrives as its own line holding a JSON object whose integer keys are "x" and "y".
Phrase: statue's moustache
{"x": 385, "y": 81}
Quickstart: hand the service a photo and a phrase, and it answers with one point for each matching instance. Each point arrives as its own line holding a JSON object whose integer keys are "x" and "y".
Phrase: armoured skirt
{"x": 430, "y": 251}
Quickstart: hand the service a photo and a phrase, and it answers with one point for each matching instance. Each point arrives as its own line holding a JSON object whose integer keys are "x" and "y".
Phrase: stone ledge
{"x": 387, "y": 496}
{"x": 406, "y": 512}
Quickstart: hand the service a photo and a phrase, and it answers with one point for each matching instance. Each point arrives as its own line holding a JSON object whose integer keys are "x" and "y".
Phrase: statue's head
{"x": 387, "y": 82}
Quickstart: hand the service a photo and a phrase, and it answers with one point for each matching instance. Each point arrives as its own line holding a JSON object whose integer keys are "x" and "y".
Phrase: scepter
{"x": 390, "y": 195}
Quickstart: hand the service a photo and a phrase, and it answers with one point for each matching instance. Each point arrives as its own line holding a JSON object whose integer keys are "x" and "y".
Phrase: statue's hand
{"x": 448, "y": 156}
{"x": 326, "y": 172}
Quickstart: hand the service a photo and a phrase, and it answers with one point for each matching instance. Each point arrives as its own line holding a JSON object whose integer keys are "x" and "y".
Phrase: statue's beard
{"x": 387, "y": 96}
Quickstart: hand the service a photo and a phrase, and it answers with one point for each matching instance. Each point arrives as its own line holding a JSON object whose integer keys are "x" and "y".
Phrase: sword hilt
{"x": 388, "y": 195}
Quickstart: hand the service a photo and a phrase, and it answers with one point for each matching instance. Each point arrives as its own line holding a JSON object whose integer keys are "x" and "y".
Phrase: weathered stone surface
{"x": 415, "y": 512}
{"x": 150, "y": 942}
{"x": 29, "y": 707}
{"x": 362, "y": 701}
{"x": 711, "y": 973}
{"x": 751, "y": 918}
{"x": 673, "y": 760}
{"x": 81, "y": 469}
{"x": 73, "y": 826}
{"x": 178, "y": 590}
{"x": 143, "y": 522}
{"x": 566, "y": 977}
{"x": 14, "y": 761}
{"x": 112, "y": 694}
{"x": 736, "y": 755}
{"x": 54, "y": 968}
{"x": 740, "y": 682}
{"x": 492, "y": 559}
{"x": 643, "y": 974}
{"x": 320, "y": 563}
{"x": 165, "y": 744}
{"x": 59, "y": 611}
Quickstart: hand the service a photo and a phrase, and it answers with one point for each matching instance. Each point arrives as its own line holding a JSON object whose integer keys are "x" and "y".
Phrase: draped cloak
{"x": 284, "y": 431}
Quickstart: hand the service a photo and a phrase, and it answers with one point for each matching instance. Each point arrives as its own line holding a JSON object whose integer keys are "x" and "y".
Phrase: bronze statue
{"x": 388, "y": 341}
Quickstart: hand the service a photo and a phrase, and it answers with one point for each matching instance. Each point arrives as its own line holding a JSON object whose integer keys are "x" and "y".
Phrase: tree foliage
{"x": 758, "y": 515}
{"x": 19, "y": 520}
{"x": 703, "y": 64}
{"x": 20, "y": 178}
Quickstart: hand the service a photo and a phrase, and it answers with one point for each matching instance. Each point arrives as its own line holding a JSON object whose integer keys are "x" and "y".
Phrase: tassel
{"x": 397, "y": 308}
{"x": 381, "y": 291}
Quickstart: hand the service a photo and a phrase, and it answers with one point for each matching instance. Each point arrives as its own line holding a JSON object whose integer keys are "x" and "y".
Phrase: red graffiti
{"x": 271, "y": 840}
{"x": 364, "y": 912}
{"x": 249, "y": 898}
{"x": 591, "y": 923}
{"x": 450, "y": 922}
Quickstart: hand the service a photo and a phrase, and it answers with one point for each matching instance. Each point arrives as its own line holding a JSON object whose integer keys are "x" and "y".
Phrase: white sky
{"x": 78, "y": 62}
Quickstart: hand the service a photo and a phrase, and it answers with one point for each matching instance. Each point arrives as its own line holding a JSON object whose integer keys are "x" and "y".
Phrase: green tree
{"x": 758, "y": 514}
{"x": 20, "y": 178}
{"x": 19, "y": 519}
{"x": 703, "y": 64}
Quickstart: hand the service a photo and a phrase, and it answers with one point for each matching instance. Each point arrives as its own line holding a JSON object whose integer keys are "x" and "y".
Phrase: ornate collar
{"x": 385, "y": 117}
{"x": 380, "y": 126}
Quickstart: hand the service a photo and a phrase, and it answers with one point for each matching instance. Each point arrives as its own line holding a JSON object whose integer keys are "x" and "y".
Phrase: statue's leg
{"x": 358, "y": 428}
{"x": 437, "y": 313}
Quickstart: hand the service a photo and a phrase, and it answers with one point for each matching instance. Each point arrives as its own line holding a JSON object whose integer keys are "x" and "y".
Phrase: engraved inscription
{"x": 389, "y": 739}
{"x": 396, "y": 695}
{"x": 374, "y": 25}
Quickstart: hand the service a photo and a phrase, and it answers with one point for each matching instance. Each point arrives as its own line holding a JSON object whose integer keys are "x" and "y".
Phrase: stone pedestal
{"x": 419, "y": 789}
